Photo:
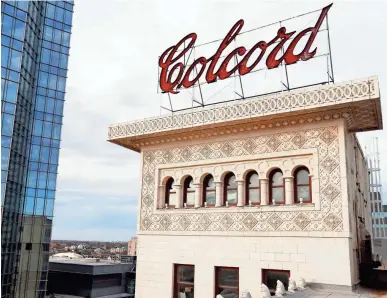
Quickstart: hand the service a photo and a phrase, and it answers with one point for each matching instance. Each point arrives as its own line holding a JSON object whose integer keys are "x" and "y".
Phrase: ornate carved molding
{"x": 358, "y": 100}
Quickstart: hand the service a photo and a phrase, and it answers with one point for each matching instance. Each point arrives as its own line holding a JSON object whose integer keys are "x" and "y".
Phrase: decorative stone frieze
{"x": 324, "y": 141}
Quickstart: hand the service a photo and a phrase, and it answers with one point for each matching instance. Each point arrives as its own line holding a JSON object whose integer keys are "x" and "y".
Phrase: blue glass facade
{"x": 35, "y": 39}
{"x": 383, "y": 220}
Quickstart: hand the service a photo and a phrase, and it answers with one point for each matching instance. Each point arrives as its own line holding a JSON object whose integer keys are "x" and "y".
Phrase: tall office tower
{"x": 379, "y": 211}
{"x": 35, "y": 39}
{"x": 379, "y": 230}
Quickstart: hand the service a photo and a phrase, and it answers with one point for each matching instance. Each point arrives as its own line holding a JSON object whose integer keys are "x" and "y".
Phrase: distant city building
{"x": 379, "y": 217}
{"x": 99, "y": 250}
{"x": 35, "y": 45}
{"x": 379, "y": 211}
{"x": 91, "y": 278}
{"x": 132, "y": 246}
{"x": 117, "y": 250}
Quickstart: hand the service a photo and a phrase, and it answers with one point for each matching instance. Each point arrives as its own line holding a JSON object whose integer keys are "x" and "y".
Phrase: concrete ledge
{"x": 332, "y": 288}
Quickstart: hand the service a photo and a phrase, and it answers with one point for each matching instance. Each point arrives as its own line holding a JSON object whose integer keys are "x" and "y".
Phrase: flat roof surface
{"x": 360, "y": 293}
{"x": 92, "y": 268}
{"x": 117, "y": 296}
{"x": 86, "y": 263}
{"x": 122, "y": 295}
{"x": 64, "y": 296}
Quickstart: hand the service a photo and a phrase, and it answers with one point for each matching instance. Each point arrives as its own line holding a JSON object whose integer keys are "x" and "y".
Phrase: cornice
{"x": 205, "y": 133}
{"x": 356, "y": 101}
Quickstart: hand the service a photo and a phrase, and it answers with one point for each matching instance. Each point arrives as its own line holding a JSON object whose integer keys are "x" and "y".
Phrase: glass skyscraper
{"x": 35, "y": 42}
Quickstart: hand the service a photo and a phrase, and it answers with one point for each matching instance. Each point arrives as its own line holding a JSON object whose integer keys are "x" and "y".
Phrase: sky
{"x": 113, "y": 78}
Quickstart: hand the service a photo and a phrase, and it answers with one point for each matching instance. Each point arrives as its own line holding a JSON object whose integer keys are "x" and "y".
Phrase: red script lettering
{"x": 174, "y": 75}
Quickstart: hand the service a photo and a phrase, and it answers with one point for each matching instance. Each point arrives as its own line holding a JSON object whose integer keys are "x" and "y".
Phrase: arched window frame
{"x": 296, "y": 184}
{"x": 187, "y": 189}
{"x": 168, "y": 191}
{"x": 272, "y": 173}
{"x": 226, "y": 188}
{"x": 248, "y": 188}
{"x": 206, "y": 191}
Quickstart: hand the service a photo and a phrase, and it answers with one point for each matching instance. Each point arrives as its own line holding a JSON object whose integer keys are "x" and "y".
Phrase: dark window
{"x": 270, "y": 277}
{"x": 253, "y": 193}
{"x": 189, "y": 192}
{"x": 209, "y": 196}
{"x": 28, "y": 246}
{"x": 230, "y": 189}
{"x": 184, "y": 277}
{"x": 46, "y": 247}
{"x": 302, "y": 185}
{"x": 170, "y": 193}
{"x": 276, "y": 187}
{"x": 227, "y": 282}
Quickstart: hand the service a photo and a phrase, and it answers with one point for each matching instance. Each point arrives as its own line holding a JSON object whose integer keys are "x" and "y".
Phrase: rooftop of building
{"x": 337, "y": 293}
{"x": 92, "y": 266}
{"x": 122, "y": 295}
{"x": 86, "y": 261}
{"x": 67, "y": 256}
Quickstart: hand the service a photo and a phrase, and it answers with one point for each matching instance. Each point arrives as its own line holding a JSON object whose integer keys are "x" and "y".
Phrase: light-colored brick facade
{"x": 318, "y": 241}
{"x": 132, "y": 247}
{"x": 313, "y": 260}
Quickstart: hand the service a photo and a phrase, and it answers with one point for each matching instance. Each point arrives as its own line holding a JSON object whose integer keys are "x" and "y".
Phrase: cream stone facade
{"x": 321, "y": 241}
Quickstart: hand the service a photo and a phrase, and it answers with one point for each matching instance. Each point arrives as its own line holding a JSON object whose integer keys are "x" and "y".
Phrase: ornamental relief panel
{"x": 262, "y": 166}
{"x": 324, "y": 165}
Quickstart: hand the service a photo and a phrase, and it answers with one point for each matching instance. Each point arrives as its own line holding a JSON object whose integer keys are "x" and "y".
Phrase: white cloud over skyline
{"x": 113, "y": 77}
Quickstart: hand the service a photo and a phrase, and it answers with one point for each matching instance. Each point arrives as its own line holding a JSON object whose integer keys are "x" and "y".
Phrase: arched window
{"x": 189, "y": 192}
{"x": 253, "y": 191}
{"x": 276, "y": 187}
{"x": 209, "y": 196}
{"x": 302, "y": 186}
{"x": 230, "y": 193}
{"x": 170, "y": 193}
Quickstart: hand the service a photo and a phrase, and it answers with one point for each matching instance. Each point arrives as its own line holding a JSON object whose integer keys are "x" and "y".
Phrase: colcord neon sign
{"x": 174, "y": 75}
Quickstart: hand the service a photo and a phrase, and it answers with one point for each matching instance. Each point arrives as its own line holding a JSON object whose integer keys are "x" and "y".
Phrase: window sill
{"x": 254, "y": 208}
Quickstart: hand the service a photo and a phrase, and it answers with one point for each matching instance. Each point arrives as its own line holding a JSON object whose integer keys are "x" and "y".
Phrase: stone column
{"x": 197, "y": 195}
{"x": 264, "y": 182}
{"x": 161, "y": 197}
{"x": 241, "y": 198}
{"x": 218, "y": 191}
{"x": 179, "y": 197}
{"x": 289, "y": 193}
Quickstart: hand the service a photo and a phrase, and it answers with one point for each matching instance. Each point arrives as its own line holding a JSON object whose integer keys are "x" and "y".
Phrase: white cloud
{"x": 113, "y": 77}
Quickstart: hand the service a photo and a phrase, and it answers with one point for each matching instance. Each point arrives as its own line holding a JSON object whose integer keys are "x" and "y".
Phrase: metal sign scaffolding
{"x": 203, "y": 99}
